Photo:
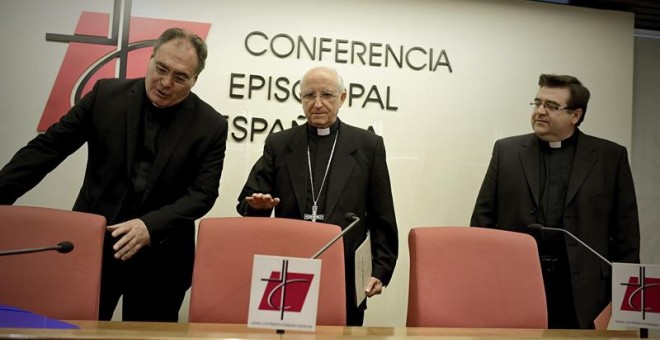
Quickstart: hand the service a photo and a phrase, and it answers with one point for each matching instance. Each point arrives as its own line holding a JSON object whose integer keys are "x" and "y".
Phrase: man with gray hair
{"x": 324, "y": 169}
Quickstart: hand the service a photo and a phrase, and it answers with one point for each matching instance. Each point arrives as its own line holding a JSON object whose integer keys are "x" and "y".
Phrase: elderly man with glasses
{"x": 155, "y": 156}
{"x": 324, "y": 169}
{"x": 559, "y": 177}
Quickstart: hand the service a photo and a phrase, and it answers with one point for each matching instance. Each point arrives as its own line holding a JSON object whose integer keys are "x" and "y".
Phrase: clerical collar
{"x": 555, "y": 145}
{"x": 561, "y": 144}
{"x": 314, "y": 131}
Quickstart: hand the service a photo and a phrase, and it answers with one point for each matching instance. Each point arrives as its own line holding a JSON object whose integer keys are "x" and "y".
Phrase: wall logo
{"x": 91, "y": 55}
{"x": 285, "y": 291}
{"x": 642, "y": 294}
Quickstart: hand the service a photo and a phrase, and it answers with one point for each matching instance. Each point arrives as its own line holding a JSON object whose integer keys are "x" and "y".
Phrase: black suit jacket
{"x": 600, "y": 209}
{"x": 184, "y": 182}
{"x": 358, "y": 182}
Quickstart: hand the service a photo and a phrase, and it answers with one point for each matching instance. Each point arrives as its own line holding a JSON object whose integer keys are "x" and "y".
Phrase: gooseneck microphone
{"x": 349, "y": 217}
{"x": 536, "y": 226}
{"x": 62, "y": 247}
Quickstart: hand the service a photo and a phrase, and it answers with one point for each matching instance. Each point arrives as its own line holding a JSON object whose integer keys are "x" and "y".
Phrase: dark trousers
{"x": 152, "y": 288}
{"x": 559, "y": 294}
{"x": 354, "y": 315}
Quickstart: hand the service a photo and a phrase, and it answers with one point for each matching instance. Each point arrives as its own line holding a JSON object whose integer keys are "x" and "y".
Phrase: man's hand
{"x": 261, "y": 201}
{"x": 135, "y": 236}
{"x": 374, "y": 287}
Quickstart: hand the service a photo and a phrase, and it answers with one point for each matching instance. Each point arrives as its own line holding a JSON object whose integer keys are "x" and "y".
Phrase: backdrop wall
{"x": 646, "y": 143}
{"x": 471, "y": 70}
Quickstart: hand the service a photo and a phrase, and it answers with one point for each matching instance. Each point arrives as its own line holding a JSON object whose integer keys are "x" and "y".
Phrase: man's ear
{"x": 576, "y": 116}
{"x": 342, "y": 98}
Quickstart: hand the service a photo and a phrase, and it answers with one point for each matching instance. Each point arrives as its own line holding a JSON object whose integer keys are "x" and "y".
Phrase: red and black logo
{"x": 95, "y": 53}
{"x": 642, "y": 294}
{"x": 286, "y": 291}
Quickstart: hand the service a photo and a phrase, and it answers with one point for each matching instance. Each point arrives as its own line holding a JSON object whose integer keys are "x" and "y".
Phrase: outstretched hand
{"x": 261, "y": 201}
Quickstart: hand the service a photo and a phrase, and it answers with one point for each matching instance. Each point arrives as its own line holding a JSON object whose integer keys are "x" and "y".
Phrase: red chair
{"x": 59, "y": 286}
{"x": 474, "y": 278}
{"x": 603, "y": 319}
{"x": 226, "y": 246}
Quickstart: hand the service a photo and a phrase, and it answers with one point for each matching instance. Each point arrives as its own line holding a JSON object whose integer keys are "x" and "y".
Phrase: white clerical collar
{"x": 323, "y": 131}
{"x": 555, "y": 145}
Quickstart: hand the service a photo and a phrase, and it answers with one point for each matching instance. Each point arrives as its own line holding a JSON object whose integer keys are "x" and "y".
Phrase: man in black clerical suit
{"x": 562, "y": 178}
{"x": 323, "y": 169}
{"x": 155, "y": 155}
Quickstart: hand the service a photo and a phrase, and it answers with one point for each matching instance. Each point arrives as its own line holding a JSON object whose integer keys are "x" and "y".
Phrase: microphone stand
{"x": 534, "y": 226}
{"x": 349, "y": 216}
{"x": 62, "y": 247}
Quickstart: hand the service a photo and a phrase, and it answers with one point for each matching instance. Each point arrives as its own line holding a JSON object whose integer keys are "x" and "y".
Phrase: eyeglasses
{"x": 324, "y": 95}
{"x": 178, "y": 79}
{"x": 549, "y": 106}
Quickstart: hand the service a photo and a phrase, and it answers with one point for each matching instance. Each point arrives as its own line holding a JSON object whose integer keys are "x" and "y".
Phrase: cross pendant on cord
{"x": 315, "y": 208}
{"x": 314, "y": 216}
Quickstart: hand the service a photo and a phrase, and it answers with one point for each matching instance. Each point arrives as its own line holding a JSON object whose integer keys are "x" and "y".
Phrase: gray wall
{"x": 646, "y": 142}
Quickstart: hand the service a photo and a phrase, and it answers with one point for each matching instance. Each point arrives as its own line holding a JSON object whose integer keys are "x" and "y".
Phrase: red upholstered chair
{"x": 603, "y": 319}
{"x": 59, "y": 286}
{"x": 226, "y": 247}
{"x": 474, "y": 277}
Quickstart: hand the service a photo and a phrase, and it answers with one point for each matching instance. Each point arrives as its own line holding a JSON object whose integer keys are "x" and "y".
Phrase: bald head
{"x": 326, "y": 72}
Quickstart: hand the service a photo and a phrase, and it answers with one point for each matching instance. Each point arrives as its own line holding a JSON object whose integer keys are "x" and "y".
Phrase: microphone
{"x": 62, "y": 247}
{"x": 349, "y": 217}
{"x": 536, "y": 226}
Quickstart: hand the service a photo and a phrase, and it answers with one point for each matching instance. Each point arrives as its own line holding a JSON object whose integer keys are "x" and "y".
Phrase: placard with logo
{"x": 636, "y": 295}
{"x": 284, "y": 293}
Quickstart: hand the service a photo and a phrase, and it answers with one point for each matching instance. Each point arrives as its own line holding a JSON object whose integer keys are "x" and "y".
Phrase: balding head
{"x": 322, "y": 93}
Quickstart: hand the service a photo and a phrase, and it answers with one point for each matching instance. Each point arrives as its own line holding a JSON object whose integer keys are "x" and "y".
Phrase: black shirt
{"x": 155, "y": 122}
{"x": 320, "y": 151}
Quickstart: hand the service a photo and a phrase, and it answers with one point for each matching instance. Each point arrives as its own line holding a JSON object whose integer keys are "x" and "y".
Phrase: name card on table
{"x": 284, "y": 293}
{"x": 636, "y": 295}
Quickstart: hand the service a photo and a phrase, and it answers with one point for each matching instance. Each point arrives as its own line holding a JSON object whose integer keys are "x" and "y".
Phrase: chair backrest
{"x": 474, "y": 277}
{"x": 59, "y": 286}
{"x": 226, "y": 247}
{"x": 602, "y": 321}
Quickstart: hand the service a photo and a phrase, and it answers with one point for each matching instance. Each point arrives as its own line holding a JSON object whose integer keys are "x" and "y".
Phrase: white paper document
{"x": 362, "y": 269}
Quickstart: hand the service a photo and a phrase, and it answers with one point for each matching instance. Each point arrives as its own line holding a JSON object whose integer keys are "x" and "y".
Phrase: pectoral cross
{"x": 314, "y": 216}
{"x": 315, "y": 208}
